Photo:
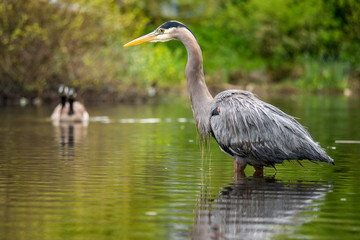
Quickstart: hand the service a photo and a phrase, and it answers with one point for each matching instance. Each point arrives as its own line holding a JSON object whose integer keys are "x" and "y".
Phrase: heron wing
{"x": 250, "y": 128}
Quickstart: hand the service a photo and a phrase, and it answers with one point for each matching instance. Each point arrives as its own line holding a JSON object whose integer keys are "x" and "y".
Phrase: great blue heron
{"x": 251, "y": 131}
{"x": 71, "y": 111}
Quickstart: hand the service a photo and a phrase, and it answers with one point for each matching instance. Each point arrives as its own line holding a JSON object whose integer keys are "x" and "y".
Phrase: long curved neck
{"x": 200, "y": 96}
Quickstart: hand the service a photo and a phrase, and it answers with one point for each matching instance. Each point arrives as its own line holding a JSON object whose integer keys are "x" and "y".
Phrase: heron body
{"x": 260, "y": 133}
{"x": 251, "y": 131}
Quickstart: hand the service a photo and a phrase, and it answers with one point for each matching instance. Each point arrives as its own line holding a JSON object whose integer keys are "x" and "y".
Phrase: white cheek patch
{"x": 164, "y": 37}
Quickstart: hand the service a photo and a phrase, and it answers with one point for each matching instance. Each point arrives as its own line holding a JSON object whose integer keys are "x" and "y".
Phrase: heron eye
{"x": 161, "y": 30}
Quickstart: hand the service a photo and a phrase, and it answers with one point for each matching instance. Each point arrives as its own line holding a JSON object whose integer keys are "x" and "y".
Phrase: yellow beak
{"x": 146, "y": 38}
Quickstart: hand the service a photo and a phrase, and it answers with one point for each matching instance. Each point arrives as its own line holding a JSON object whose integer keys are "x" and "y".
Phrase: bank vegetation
{"x": 311, "y": 45}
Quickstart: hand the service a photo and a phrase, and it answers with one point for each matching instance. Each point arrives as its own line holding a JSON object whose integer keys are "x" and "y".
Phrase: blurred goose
{"x": 71, "y": 111}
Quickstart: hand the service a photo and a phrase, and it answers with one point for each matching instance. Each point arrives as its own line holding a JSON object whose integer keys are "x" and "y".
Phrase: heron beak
{"x": 146, "y": 38}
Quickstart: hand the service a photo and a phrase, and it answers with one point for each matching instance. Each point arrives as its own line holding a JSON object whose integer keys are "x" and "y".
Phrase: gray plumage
{"x": 248, "y": 129}
{"x": 259, "y": 132}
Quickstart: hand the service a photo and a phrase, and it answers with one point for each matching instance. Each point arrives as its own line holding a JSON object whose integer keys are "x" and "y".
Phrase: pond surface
{"x": 138, "y": 172}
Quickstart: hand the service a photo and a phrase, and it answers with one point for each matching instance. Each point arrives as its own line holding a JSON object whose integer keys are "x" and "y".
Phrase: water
{"x": 137, "y": 172}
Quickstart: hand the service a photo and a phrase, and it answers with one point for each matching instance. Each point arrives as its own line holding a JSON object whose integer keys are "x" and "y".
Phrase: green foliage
{"x": 45, "y": 43}
{"x": 166, "y": 65}
{"x": 324, "y": 74}
{"x": 279, "y": 30}
{"x": 275, "y": 34}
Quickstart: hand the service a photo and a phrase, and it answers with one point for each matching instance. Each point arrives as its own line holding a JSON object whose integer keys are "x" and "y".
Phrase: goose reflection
{"x": 69, "y": 135}
{"x": 256, "y": 208}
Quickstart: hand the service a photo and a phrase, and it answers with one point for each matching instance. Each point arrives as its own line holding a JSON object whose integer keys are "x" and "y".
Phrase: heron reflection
{"x": 256, "y": 208}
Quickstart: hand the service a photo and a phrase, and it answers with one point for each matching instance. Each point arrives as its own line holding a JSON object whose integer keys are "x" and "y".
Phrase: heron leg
{"x": 239, "y": 167}
{"x": 259, "y": 171}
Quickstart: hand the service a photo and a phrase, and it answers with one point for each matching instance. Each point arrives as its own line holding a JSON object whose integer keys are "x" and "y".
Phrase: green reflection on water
{"x": 122, "y": 178}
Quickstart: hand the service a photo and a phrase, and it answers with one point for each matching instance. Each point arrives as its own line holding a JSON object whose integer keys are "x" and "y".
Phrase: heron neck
{"x": 199, "y": 94}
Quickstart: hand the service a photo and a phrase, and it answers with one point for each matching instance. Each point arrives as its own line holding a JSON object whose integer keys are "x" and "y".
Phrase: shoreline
{"x": 135, "y": 95}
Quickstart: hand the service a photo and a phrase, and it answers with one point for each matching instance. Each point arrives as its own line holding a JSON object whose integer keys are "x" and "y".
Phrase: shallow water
{"x": 138, "y": 172}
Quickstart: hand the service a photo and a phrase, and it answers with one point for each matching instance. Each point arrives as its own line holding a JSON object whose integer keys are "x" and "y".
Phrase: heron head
{"x": 165, "y": 32}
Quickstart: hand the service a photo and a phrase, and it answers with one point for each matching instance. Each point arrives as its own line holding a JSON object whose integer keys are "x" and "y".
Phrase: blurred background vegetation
{"x": 312, "y": 45}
